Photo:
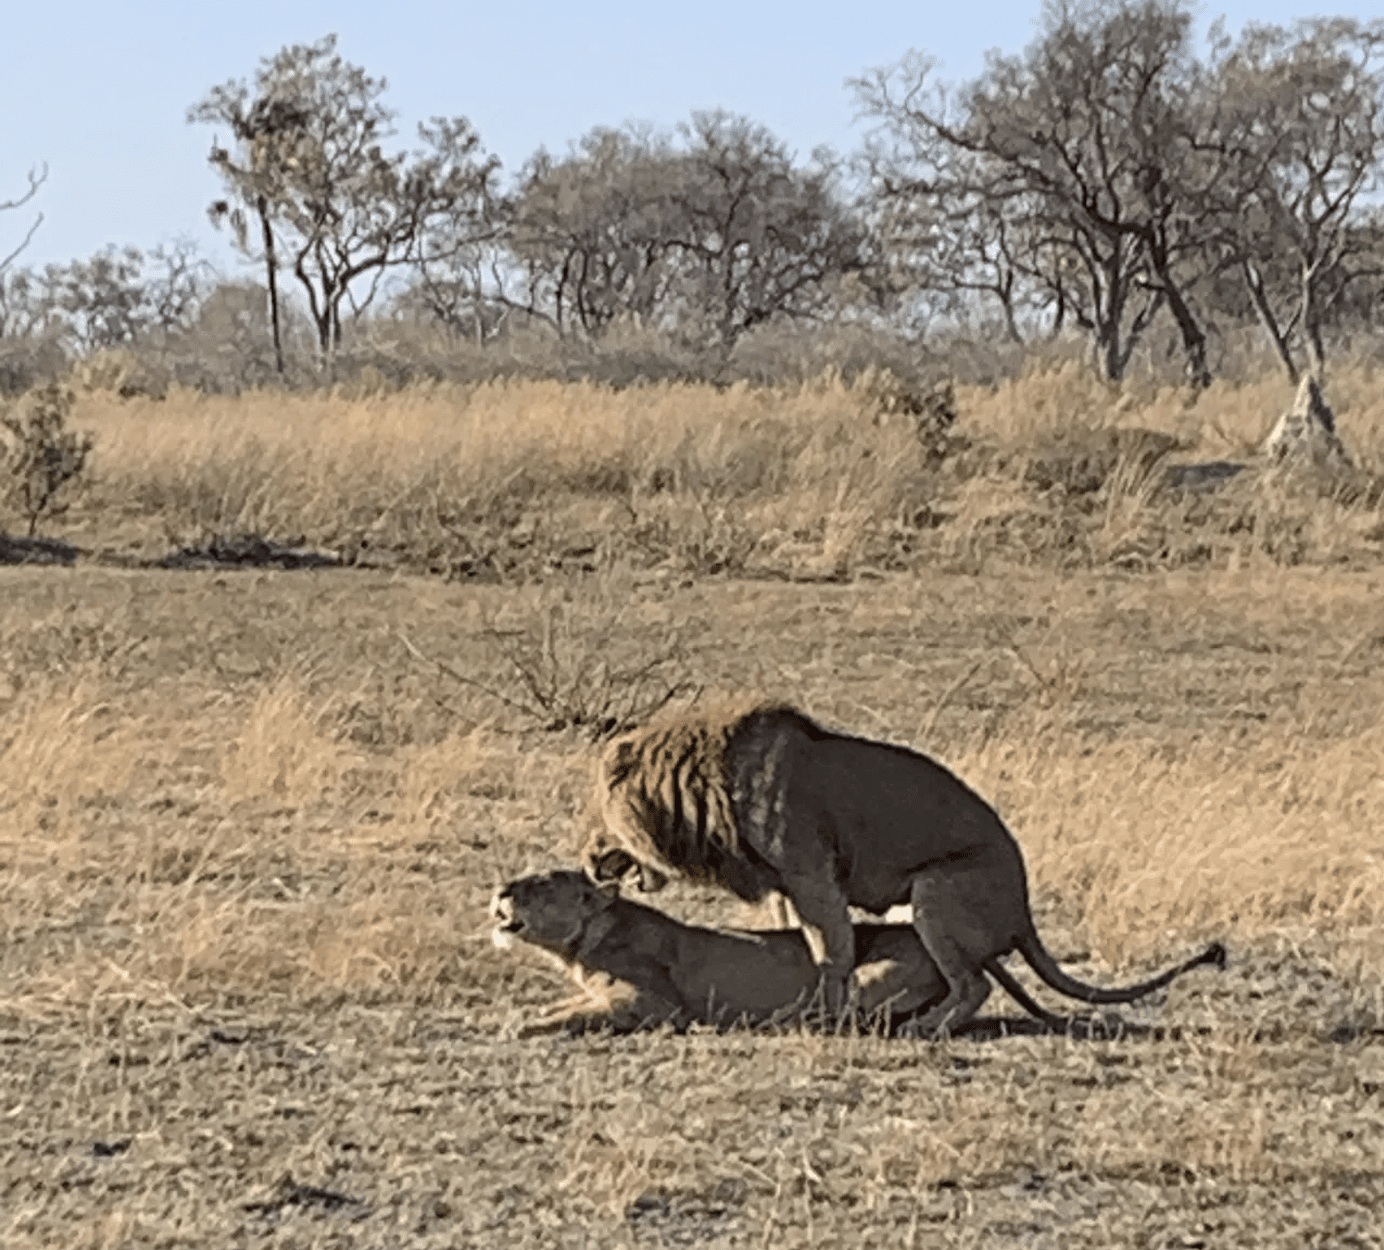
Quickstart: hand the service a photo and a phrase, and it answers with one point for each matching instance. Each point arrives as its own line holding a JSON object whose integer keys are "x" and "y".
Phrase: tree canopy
{"x": 332, "y": 204}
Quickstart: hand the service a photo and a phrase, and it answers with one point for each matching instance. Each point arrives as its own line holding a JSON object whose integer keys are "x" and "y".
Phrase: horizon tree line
{"x": 1111, "y": 177}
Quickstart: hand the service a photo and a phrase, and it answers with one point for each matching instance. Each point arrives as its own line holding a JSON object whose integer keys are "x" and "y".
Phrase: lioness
{"x": 685, "y": 974}
{"x": 762, "y": 799}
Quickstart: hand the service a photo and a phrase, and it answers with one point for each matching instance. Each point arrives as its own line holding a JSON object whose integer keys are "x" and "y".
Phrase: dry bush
{"x": 39, "y": 456}
{"x": 580, "y": 656}
{"x": 27, "y": 363}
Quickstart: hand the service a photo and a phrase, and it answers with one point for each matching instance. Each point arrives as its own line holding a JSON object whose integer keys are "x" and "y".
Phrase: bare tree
{"x": 99, "y": 302}
{"x": 1301, "y": 119}
{"x": 260, "y": 129}
{"x": 36, "y": 177}
{"x": 1064, "y": 169}
{"x": 180, "y": 281}
{"x": 23, "y": 311}
{"x": 464, "y": 288}
{"x": 310, "y": 162}
{"x": 709, "y": 232}
{"x": 762, "y": 238}
{"x": 110, "y": 299}
{"x": 950, "y": 234}
{"x": 596, "y": 232}
{"x": 461, "y": 264}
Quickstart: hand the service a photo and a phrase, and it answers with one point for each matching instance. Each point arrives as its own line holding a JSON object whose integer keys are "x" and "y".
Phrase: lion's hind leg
{"x": 895, "y": 979}
{"x": 966, "y": 994}
{"x": 963, "y": 911}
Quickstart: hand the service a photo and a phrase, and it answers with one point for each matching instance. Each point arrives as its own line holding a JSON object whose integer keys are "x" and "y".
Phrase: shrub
{"x": 38, "y": 454}
{"x": 586, "y": 662}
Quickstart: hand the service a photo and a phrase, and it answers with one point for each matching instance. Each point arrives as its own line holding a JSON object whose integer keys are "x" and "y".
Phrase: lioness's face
{"x": 551, "y": 909}
{"x": 606, "y": 860}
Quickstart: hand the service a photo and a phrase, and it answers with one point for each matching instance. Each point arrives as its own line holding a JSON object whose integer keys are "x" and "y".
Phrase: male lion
{"x": 762, "y": 799}
{"x": 685, "y": 974}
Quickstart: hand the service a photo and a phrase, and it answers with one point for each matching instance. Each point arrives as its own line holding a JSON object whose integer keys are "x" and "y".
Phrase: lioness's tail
{"x": 1059, "y": 1024}
{"x": 1033, "y": 950}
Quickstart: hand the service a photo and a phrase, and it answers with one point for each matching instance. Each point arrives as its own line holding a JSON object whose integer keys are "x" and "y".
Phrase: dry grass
{"x": 247, "y": 835}
{"x": 453, "y": 473}
{"x": 246, "y": 985}
{"x": 515, "y": 480}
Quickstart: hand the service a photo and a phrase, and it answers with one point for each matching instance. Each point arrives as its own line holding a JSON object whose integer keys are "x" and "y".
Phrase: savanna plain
{"x": 251, "y": 817}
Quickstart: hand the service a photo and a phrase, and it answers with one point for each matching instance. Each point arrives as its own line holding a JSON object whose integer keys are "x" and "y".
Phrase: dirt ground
{"x": 248, "y": 994}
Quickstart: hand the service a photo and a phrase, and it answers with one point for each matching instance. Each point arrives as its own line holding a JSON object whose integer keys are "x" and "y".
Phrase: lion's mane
{"x": 672, "y": 793}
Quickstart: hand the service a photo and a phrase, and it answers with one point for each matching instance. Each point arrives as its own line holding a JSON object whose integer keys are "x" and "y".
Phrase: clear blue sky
{"x": 100, "y": 91}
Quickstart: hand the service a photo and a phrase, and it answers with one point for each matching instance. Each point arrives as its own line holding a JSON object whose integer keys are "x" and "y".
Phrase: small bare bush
{"x": 584, "y": 663}
{"x": 39, "y": 455}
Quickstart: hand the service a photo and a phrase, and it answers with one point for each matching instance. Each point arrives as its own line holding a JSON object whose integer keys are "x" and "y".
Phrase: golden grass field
{"x": 517, "y": 480}
{"x": 248, "y": 836}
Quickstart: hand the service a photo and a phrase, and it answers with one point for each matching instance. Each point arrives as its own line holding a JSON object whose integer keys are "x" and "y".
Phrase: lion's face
{"x": 606, "y": 858}
{"x": 620, "y": 846}
{"x": 551, "y": 910}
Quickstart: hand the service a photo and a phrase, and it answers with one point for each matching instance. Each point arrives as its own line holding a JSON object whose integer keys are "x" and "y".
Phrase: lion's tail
{"x": 1033, "y": 950}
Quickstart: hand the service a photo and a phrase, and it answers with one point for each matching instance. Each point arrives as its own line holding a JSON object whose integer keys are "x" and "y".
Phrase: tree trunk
{"x": 1109, "y": 318}
{"x": 271, "y": 267}
{"x": 1004, "y": 289}
{"x": 1311, "y": 323}
{"x": 1193, "y": 336}
{"x": 1254, "y": 280}
{"x": 324, "y": 335}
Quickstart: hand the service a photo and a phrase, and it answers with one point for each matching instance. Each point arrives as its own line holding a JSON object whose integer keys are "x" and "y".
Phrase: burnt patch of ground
{"x": 16, "y": 549}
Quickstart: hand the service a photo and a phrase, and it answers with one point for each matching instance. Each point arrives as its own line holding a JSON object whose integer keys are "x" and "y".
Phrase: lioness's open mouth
{"x": 509, "y": 925}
